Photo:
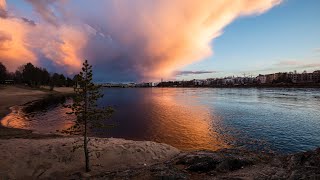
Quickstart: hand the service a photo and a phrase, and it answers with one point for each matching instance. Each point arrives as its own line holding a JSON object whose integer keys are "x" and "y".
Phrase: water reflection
{"x": 182, "y": 122}
{"x": 41, "y": 122}
{"x": 282, "y": 120}
{"x": 16, "y": 119}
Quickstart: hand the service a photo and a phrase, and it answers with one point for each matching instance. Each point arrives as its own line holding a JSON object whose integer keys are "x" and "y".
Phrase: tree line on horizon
{"x": 34, "y": 76}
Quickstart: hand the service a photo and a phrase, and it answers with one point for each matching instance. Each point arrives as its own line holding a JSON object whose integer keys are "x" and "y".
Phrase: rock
{"x": 203, "y": 165}
{"x": 198, "y": 163}
{"x": 295, "y": 160}
{"x": 315, "y": 177}
{"x": 232, "y": 164}
{"x": 165, "y": 172}
{"x": 80, "y": 175}
{"x": 295, "y": 175}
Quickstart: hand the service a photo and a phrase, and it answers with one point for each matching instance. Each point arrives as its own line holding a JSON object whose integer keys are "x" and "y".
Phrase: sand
{"x": 59, "y": 89}
{"x": 12, "y": 95}
{"x": 18, "y": 95}
{"x": 43, "y": 158}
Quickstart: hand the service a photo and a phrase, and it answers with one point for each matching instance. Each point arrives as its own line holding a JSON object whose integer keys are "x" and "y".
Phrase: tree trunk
{"x": 86, "y": 152}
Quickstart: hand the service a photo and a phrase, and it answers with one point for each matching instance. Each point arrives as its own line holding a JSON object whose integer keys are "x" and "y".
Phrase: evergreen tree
{"x": 18, "y": 77}
{"x": 85, "y": 108}
{"x": 55, "y": 80}
{"x": 3, "y": 72}
{"x": 62, "y": 80}
{"x": 69, "y": 82}
{"x": 28, "y": 74}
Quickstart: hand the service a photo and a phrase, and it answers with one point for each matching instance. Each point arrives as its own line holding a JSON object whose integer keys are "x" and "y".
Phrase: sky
{"x": 146, "y": 40}
{"x": 284, "y": 39}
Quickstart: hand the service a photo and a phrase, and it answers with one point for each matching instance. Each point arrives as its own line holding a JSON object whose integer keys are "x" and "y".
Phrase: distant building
{"x": 276, "y": 78}
{"x": 295, "y": 77}
{"x": 316, "y": 76}
{"x": 270, "y": 78}
{"x": 304, "y": 77}
{"x": 198, "y": 82}
{"x": 261, "y": 79}
{"x": 227, "y": 81}
{"x": 147, "y": 84}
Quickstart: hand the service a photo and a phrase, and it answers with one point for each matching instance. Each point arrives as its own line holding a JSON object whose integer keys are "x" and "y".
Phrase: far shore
{"x": 260, "y": 86}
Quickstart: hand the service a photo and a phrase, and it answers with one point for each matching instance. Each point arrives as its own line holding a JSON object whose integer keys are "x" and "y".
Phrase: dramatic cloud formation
{"x": 125, "y": 40}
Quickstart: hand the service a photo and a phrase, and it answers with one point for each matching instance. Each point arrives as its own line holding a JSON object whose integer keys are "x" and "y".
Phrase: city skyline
{"x": 288, "y": 75}
{"x": 266, "y": 36}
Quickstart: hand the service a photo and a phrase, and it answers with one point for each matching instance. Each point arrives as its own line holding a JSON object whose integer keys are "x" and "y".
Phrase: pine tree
{"x": 84, "y": 107}
{"x": 3, "y": 72}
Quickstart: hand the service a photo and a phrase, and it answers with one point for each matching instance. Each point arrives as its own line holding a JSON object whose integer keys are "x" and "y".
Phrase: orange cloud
{"x": 22, "y": 40}
{"x": 61, "y": 44}
{"x": 13, "y": 49}
{"x": 13, "y": 43}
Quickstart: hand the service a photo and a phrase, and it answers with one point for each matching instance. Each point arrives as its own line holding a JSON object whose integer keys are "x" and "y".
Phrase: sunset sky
{"x": 146, "y": 40}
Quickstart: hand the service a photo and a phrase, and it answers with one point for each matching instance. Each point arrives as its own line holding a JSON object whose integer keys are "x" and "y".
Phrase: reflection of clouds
{"x": 67, "y": 119}
{"x": 184, "y": 124}
{"x": 16, "y": 119}
{"x": 42, "y": 122}
{"x": 174, "y": 116}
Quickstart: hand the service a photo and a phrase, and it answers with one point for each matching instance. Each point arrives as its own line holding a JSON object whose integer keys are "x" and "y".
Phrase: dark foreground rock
{"x": 225, "y": 164}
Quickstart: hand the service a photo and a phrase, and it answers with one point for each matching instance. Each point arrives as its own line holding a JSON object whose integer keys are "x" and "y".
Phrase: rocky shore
{"x": 125, "y": 159}
{"x": 25, "y": 155}
{"x": 228, "y": 164}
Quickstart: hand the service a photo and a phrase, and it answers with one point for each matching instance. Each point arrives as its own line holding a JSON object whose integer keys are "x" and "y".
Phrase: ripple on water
{"x": 281, "y": 120}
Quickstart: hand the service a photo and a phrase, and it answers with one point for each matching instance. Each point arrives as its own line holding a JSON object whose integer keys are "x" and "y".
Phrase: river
{"x": 283, "y": 120}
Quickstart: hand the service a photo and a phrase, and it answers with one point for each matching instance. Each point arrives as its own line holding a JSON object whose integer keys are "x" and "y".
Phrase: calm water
{"x": 281, "y": 120}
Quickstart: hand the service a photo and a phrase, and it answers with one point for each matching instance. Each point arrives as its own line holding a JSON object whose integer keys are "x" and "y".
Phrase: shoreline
{"x": 115, "y": 158}
{"x": 20, "y": 96}
{"x": 128, "y": 159}
{"x": 316, "y": 86}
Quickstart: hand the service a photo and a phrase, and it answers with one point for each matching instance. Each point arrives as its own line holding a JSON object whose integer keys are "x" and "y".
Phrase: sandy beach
{"x": 19, "y": 95}
{"x": 43, "y": 158}
{"x": 13, "y": 95}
